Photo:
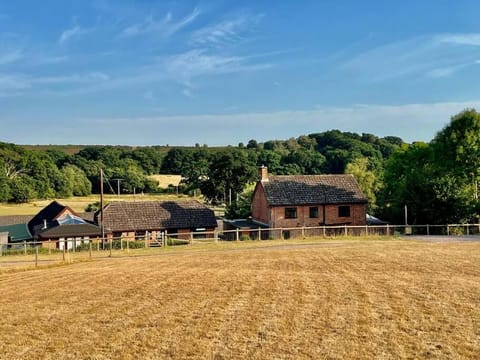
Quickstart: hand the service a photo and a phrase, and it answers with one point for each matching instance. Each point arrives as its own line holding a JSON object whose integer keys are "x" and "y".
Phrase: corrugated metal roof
{"x": 17, "y": 232}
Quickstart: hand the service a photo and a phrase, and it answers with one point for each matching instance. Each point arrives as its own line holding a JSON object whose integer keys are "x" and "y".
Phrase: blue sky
{"x": 144, "y": 72}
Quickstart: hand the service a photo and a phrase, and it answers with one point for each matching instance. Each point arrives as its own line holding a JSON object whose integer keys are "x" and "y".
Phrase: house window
{"x": 344, "y": 211}
{"x": 314, "y": 212}
{"x": 290, "y": 213}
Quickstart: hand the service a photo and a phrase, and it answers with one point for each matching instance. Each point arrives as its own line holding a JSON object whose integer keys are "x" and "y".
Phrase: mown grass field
{"x": 341, "y": 299}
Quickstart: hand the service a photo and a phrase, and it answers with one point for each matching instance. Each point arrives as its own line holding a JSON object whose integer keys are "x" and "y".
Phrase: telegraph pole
{"x": 118, "y": 185}
{"x": 101, "y": 208}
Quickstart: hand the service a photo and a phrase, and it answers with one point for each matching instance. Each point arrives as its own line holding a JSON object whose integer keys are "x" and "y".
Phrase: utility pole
{"x": 118, "y": 185}
{"x": 101, "y": 209}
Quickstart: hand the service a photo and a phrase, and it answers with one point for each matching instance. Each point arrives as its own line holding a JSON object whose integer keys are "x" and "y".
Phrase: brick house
{"x": 153, "y": 219}
{"x": 289, "y": 201}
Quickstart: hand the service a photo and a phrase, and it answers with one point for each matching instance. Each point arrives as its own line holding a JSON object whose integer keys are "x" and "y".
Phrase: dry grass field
{"x": 331, "y": 300}
{"x": 78, "y": 203}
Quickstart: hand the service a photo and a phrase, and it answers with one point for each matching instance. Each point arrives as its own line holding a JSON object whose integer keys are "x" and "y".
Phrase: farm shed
{"x": 308, "y": 200}
{"x": 58, "y": 226}
{"x": 153, "y": 219}
{"x": 17, "y": 232}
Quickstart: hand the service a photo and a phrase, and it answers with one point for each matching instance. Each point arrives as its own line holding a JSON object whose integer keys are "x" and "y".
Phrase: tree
{"x": 229, "y": 171}
{"x": 368, "y": 181}
{"x": 457, "y": 149}
{"x": 76, "y": 182}
{"x": 241, "y": 207}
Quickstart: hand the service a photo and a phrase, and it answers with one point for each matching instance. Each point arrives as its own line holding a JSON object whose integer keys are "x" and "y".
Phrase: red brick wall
{"x": 357, "y": 216}
{"x": 260, "y": 210}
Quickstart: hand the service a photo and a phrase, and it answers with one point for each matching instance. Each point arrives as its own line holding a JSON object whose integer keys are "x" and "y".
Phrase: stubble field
{"x": 349, "y": 299}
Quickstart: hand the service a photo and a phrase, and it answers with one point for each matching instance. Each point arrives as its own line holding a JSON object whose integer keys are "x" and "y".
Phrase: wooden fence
{"x": 63, "y": 250}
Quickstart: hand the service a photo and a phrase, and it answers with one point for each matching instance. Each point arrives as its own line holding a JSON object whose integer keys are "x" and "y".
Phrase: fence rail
{"x": 65, "y": 249}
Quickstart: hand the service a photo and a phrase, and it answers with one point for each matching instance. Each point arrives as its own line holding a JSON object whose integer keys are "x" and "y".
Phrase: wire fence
{"x": 66, "y": 250}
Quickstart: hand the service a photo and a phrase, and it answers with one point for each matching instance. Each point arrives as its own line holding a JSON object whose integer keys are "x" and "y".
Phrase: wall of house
{"x": 260, "y": 208}
{"x": 278, "y": 220}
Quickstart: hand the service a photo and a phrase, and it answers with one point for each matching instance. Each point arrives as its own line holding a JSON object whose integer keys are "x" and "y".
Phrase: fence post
{"x": 110, "y": 240}
{"x": 428, "y": 230}
{"x": 259, "y": 234}
{"x": 49, "y": 246}
{"x": 237, "y": 237}
{"x": 366, "y": 230}
{"x": 36, "y": 255}
{"x": 90, "y": 248}
{"x": 388, "y": 230}
{"x": 448, "y": 230}
{"x": 64, "y": 249}
{"x": 468, "y": 230}
{"x": 323, "y": 230}
{"x": 121, "y": 243}
{"x": 24, "y": 248}
{"x": 166, "y": 239}
{"x": 346, "y": 230}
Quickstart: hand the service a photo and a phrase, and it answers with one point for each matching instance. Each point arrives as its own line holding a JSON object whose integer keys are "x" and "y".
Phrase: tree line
{"x": 438, "y": 181}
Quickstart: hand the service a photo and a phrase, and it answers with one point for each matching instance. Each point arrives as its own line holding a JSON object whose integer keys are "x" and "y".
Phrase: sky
{"x": 145, "y": 72}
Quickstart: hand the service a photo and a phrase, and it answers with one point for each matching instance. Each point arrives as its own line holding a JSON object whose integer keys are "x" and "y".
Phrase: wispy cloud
{"x": 90, "y": 77}
{"x": 226, "y": 31}
{"x": 186, "y": 67}
{"x": 10, "y": 56}
{"x": 165, "y": 27}
{"x": 460, "y": 39}
{"x": 74, "y": 32}
{"x": 148, "y": 95}
{"x": 49, "y": 60}
{"x": 13, "y": 85}
{"x": 18, "y": 84}
{"x": 428, "y": 56}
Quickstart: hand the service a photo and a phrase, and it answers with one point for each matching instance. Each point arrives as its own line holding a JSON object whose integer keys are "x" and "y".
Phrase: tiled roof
{"x": 70, "y": 231}
{"x": 157, "y": 215}
{"x": 312, "y": 189}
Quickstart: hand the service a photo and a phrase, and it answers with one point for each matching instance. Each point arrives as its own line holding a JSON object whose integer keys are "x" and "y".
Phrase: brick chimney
{"x": 263, "y": 173}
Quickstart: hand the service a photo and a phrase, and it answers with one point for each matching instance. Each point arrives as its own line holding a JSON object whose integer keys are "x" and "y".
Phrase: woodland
{"x": 436, "y": 180}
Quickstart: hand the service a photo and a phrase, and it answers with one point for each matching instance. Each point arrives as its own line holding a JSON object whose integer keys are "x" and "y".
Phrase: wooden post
{"x": 428, "y": 230}
{"x": 366, "y": 230}
{"x": 303, "y": 232}
{"x": 448, "y": 230}
{"x": 36, "y": 255}
{"x": 324, "y": 232}
{"x": 237, "y": 237}
{"x": 98, "y": 244}
{"x": 121, "y": 243}
{"x": 165, "y": 238}
{"x": 64, "y": 249}
{"x": 25, "y": 248}
{"x": 74, "y": 242}
{"x": 346, "y": 233}
{"x": 388, "y": 230}
{"x": 468, "y": 230}
{"x": 128, "y": 245}
{"x": 259, "y": 234}
{"x": 90, "y": 248}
